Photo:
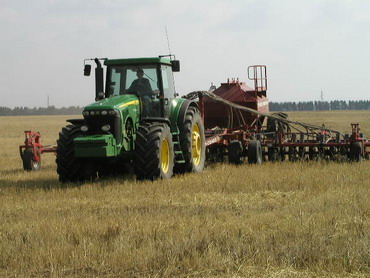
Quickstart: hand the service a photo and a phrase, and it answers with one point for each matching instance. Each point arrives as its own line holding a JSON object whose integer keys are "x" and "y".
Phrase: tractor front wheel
{"x": 69, "y": 167}
{"x": 154, "y": 154}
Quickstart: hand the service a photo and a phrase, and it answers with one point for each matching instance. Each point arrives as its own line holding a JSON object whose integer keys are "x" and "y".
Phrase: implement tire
{"x": 254, "y": 152}
{"x": 355, "y": 152}
{"x": 235, "y": 151}
{"x": 274, "y": 154}
{"x": 69, "y": 167}
{"x": 192, "y": 142}
{"x": 29, "y": 162}
{"x": 154, "y": 154}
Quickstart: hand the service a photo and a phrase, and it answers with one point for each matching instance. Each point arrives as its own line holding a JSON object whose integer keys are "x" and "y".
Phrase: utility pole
{"x": 322, "y": 96}
{"x": 47, "y": 101}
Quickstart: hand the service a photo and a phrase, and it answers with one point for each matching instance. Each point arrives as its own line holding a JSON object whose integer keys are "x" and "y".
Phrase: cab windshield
{"x": 142, "y": 80}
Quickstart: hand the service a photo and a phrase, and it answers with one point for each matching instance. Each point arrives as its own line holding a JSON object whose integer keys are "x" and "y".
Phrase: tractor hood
{"x": 115, "y": 102}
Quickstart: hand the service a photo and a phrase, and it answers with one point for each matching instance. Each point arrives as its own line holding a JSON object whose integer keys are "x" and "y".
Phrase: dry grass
{"x": 272, "y": 220}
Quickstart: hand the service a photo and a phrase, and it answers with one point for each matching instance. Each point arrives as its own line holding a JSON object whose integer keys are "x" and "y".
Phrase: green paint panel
{"x": 102, "y": 145}
{"x": 175, "y": 110}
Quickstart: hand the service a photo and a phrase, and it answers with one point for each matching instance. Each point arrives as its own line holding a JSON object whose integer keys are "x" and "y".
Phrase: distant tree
{"x": 320, "y": 105}
{"x": 51, "y": 110}
{"x": 5, "y": 111}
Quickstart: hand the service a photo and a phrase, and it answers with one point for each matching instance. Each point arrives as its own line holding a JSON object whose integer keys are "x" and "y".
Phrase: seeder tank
{"x": 221, "y": 115}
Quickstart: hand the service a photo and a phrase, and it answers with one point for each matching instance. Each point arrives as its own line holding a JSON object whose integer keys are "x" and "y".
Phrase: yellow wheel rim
{"x": 196, "y": 145}
{"x": 165, "y": 156}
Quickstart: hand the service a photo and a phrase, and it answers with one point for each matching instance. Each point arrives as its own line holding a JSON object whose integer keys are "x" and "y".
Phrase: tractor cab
{"x": 151, "y": 83}
{"x": 150, "y": 79}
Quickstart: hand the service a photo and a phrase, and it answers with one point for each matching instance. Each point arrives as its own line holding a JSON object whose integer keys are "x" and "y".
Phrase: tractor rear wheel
{"x": 254, "y": 152}
{"x": 192, "y": 142}
{"x": 154, "y": 154}
{"x": 29, "y": 161}
{"x": 69, "y": 167}
{"x": 235, "y": 150}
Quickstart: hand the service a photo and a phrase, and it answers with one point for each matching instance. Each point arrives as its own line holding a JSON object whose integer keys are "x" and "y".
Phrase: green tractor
{"x": 137, "y": 120}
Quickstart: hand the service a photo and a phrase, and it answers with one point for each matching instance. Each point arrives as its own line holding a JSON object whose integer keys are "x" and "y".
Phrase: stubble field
{"x": 308, "y": 219}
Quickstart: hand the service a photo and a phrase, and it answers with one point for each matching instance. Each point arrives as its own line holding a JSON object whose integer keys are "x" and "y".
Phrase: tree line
{"x": 320, "y": 105}
{"x": 274, "y": 106}
{"x": 51, "y": 110}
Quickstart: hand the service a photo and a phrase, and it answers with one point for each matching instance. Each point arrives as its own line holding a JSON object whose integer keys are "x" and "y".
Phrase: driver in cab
{"x": 141, "y": 85}
{"x": 144, "y": 90}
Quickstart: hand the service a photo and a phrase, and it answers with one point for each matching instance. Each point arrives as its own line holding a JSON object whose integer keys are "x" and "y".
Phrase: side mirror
{"x": 87, "y": 70}
{"x": 175, "y": 65}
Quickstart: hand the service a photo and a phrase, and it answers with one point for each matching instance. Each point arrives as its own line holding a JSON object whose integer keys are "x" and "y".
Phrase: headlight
{"x": 112, "y": 112}
{"x": 85, "y": 113}
{"x": 92, "y": 113}
{"x": 105, "y": 128}
{"x": 104, "y": 112}
{"x": 84, "y": 128}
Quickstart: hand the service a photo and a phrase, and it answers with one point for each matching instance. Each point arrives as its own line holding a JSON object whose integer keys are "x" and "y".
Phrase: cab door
{"x": 168, "y": 89}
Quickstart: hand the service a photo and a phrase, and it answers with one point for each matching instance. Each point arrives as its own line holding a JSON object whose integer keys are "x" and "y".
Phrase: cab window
{"x": 124, "y": 80}
{"x": 115, "y": 82}
{"x": 168, "y": 88}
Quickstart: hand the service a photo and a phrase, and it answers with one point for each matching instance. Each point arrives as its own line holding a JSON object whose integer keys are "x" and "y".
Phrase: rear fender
{"x": 178, "y": 111}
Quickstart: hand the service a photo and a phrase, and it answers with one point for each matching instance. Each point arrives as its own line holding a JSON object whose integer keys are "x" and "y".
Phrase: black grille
{"x": 95, "y": 123}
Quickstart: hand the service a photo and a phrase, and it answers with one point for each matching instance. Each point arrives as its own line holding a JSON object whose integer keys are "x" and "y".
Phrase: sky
{"x": 307, "y": 46}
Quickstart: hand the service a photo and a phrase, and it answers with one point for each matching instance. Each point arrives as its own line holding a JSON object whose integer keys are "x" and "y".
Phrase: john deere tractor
{"x": 137, "y": 120}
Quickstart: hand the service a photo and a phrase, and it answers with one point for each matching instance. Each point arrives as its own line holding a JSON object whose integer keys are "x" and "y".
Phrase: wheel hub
{"x": 165, "y": 156}
{"x": 196, "y": 145}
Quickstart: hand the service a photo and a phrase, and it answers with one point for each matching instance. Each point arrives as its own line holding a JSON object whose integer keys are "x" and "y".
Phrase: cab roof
{"x": 136, "y": 61}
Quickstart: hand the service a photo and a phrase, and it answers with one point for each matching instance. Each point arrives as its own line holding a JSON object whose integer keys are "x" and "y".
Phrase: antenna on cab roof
{"x": 168, "y": 40}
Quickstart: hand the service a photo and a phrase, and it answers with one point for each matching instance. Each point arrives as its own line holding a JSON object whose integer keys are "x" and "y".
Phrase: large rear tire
{"x": 69, "y": 167}
{"x": 29, "y": 161}
{"x": 192, "y": 142}
{"x": 154, "y": 154}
